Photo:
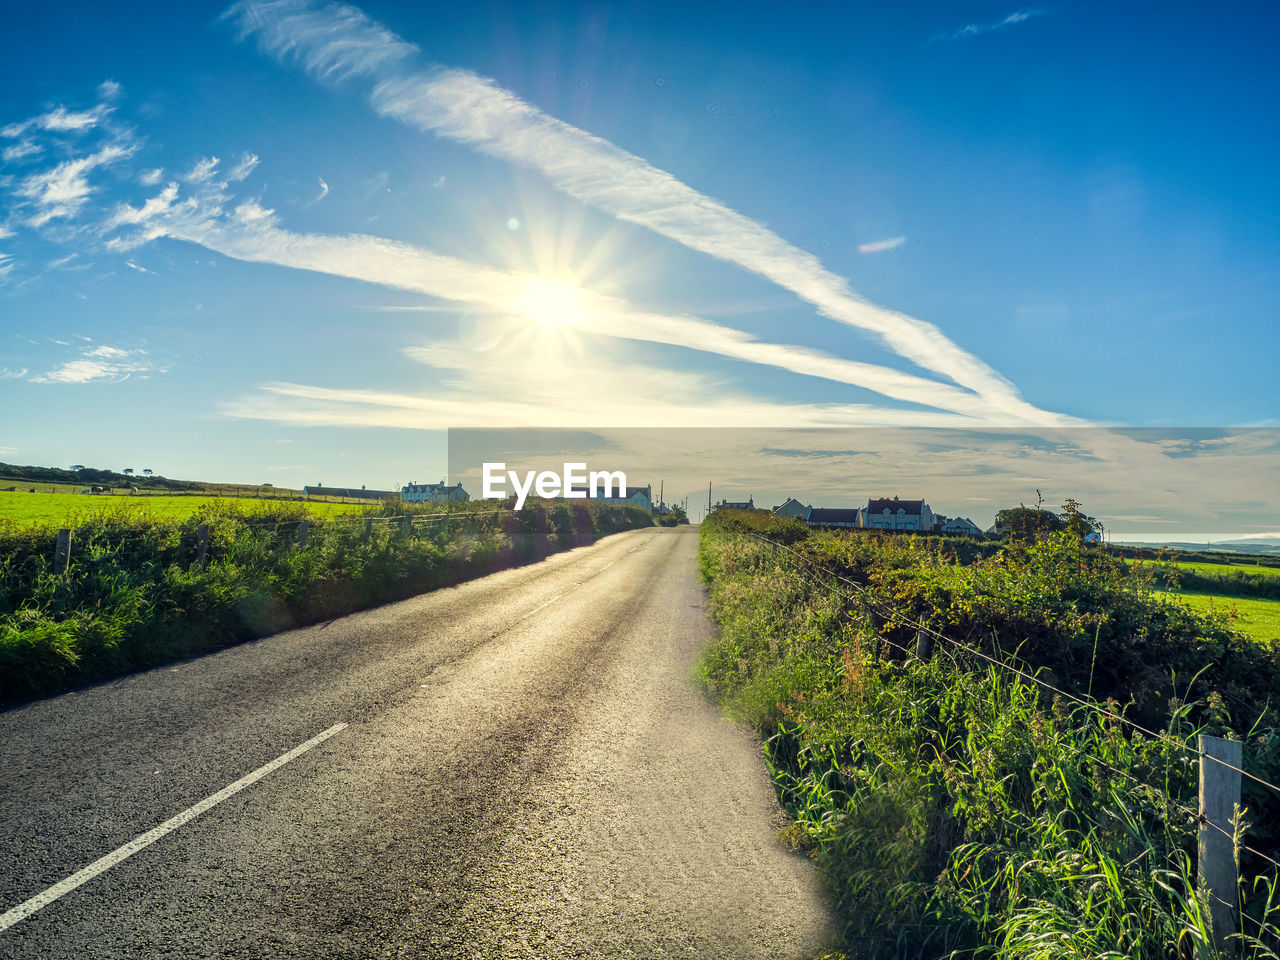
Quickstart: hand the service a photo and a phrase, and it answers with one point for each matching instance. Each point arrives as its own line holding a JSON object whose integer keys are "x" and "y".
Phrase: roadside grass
{"x": 957, "y": 809}
{"x": 1258, "y": 618}
{"x": 139, "y": 591}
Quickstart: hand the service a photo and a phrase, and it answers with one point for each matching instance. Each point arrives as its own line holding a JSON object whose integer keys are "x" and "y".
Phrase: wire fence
{"x": 891, "y": 615}
{"x": 856, "y": 600}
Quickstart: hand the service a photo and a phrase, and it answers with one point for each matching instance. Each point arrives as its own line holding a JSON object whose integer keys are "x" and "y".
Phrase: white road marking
{"x": 541, "y": 606}
{"x": 46, "y": 897}
{"x": 577, "y": 583}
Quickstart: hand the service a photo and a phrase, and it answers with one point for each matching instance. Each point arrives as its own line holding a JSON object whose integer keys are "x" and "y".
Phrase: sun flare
{"x": 550, "y": 303}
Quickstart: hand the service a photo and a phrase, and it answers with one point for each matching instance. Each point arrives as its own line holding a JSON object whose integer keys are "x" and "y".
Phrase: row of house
{"x": 884, "y": 513}
{"x": 453, "y": 493}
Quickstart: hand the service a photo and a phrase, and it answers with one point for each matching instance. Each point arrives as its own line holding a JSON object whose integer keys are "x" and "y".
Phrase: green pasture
{"x": 69, "y": 510}
{"x": 1221, "y": 568}
{"x": 1258, "y": 618}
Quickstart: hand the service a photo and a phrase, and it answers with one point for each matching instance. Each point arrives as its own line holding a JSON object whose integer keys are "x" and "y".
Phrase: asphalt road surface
{"x": 519, "y": 766}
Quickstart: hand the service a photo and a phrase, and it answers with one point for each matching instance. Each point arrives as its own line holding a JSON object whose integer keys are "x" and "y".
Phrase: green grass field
{"x": 68, "y": 510}
{"x": 1258, "y": 618}
{"x": 1223, "y": 568}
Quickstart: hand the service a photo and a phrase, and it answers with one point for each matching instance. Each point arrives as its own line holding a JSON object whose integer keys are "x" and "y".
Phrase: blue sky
{"x": 496, "y": 214}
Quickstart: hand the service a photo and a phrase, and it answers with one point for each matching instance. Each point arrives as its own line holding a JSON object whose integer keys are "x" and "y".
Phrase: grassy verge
{"x": 957, "y": 808}
{"x": 138, "y": 591}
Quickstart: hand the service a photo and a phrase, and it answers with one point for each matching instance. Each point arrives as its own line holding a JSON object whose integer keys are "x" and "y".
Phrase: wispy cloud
{"x": 879, "y": 246}
{"x": 480, "y": 388}
{"x": 324, "y": 190}
{"x": 203, "y": 171}
{"x": 99, "y": 364}
{"x": 249, "y": 233}
{"x": 59, "y": 120}
{"x": 60, "y": 192}
{"x": 977, "y": 29}
{"x": 344, "y": 43}
{"x": 151, "y": 209}
{"x": 21, "y": 150}
{"x": 333, "y": 41}
{"x": 10, "y": 373}
{"x": 247, "y": 163}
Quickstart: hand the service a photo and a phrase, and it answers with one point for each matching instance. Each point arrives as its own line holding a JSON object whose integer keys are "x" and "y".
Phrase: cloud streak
{"x": 339, "y": 41}
{"x": 977, "y": 29}
{"x": 249, "y": 233}
{"x": 99, "y": 364}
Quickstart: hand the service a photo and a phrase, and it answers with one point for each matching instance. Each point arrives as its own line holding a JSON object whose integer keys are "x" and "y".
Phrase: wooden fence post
{"x": 406, "y": 522}
{"x": 302, "y": 534}
{"x": 62, "y": 551}
{"x": 1219, "y": 800}
{"x": 924, "y": 645}
{"x": 202, "y": 544}
{"x": 368, "y": 528}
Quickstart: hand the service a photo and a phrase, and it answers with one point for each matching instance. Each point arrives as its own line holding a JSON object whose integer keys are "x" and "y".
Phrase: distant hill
{"x": 92, "y": 475}
{"x": 1254, "y": 548}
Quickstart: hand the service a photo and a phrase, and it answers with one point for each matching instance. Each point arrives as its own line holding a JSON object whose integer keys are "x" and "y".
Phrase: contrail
{"x": 402, "y": 266}
{"x": 338, "y": 41}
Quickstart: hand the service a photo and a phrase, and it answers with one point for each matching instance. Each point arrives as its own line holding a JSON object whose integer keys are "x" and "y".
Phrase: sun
{"x": 550, "y": 303}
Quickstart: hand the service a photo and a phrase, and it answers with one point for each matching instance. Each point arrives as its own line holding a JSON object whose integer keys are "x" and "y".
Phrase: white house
{"x": 896, "y": 514}
{"x": 791, "y": 507}
{"x": 748, "y": 504}
{"x": 961, "y": 525}
{"x": 434, "y": 493}
{"x": 637, "y": 496}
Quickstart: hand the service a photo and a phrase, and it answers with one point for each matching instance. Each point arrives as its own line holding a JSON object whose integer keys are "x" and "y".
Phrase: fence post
{"x": 62, "y": 551}
{"x": 368, "y": 528}
{"x": 302, "y": 534}
{"x": 924, "y": 645}
{"x": 406, "y": 522}
{"x": 202, "y": 544}
{"x": 1219, "y": 800}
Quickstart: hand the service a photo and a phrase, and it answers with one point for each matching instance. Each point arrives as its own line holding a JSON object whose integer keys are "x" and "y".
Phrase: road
{"x": 526, "y": 770}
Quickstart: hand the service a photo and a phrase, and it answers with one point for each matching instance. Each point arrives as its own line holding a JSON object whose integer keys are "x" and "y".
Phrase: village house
{"x": 791, "y": 507}
{"x": 434, "y": 493}
{"x": 896, "y": 514}
{"x": 748, "y": 504}
{"x": 637, "y": 496}
{"x": 838, "y": 517}
{"x": 961, "y": 525}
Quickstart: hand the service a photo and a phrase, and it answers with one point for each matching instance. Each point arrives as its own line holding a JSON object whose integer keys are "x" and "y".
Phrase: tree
{"x": 128, "y": 471}
{"x": 678, "y": 512}
{"x": 1026, "y": 523}
{"x": 147, "y": 471}
{"x": 77, "y": 466}
{"x": 1074, "y": 519}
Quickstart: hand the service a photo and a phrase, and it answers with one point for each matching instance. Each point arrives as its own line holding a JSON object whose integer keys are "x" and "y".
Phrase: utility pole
{"x": 708, "y": 496}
